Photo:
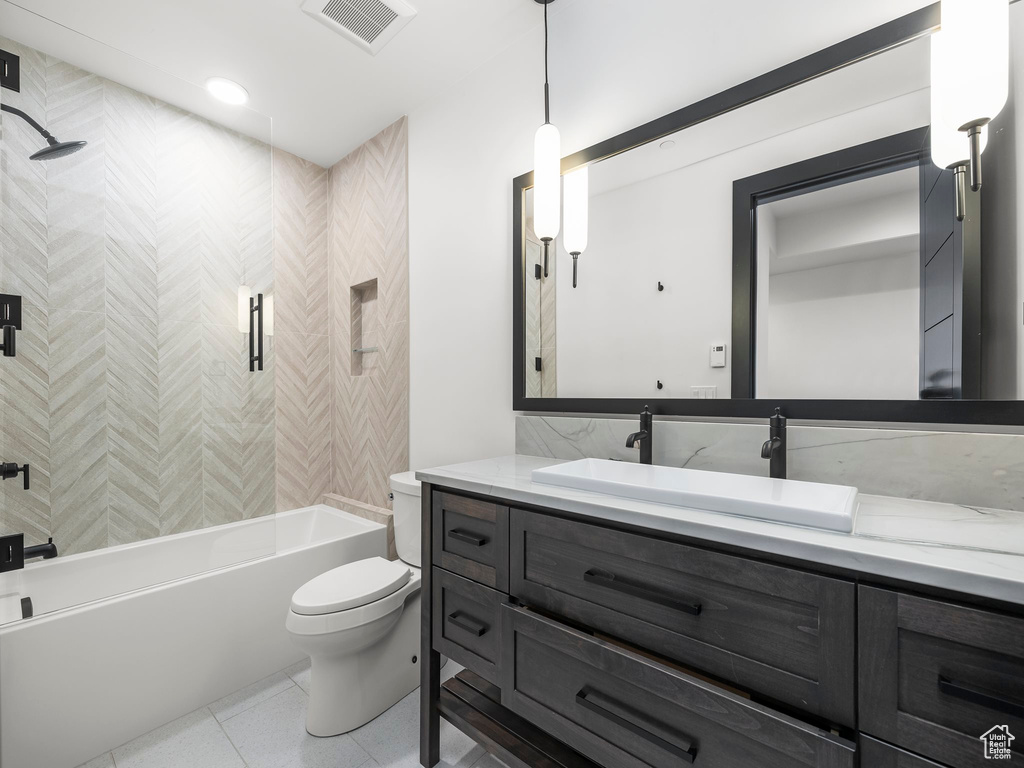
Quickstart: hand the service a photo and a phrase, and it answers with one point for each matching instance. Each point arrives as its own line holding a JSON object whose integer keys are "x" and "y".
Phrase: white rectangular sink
{"x": 816, "y": 505}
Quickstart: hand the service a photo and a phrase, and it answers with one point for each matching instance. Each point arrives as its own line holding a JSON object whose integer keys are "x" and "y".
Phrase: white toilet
{"x": 360, "y": 625}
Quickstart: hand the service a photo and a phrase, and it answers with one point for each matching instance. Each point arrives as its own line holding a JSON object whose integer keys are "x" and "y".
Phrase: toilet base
{"x": 348, "y": 690}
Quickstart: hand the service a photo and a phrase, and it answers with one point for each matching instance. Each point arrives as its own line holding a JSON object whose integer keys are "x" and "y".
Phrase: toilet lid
{"x": 350, "y": 586}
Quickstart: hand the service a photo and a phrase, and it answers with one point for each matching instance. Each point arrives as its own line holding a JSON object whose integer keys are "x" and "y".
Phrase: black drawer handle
{"x": 617, "y": 583}
{"x": 472, "y": 626}
{"x": 950, "y": 688}
{"x": 467, "y": 538}
{"x": 626, "y": 718}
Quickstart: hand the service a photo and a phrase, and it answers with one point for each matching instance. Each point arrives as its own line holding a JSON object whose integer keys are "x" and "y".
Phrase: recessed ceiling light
{"x": 667, "y": 144}
{"x": 227, "y": 91}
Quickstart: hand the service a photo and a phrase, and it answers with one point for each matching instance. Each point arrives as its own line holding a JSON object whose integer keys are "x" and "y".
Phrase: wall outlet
{"x": 704, "y": 393}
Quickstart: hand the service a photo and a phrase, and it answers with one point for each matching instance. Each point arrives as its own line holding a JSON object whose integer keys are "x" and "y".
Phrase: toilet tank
{"x": 406, "y": 506}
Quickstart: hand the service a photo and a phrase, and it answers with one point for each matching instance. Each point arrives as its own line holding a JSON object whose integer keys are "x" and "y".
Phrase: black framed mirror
{"x": 651, "y": 323}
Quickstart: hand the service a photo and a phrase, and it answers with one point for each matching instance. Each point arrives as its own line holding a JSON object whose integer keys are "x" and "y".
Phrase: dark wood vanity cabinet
{"x": 936, "y": 676}
{"x": 754, "y": 625}
{"x": 588, "y": 645}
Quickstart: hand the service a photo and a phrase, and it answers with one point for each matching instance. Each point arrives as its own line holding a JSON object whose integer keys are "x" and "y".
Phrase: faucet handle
{"x": 12, "y": 552}
{"x": 10, "y": 470}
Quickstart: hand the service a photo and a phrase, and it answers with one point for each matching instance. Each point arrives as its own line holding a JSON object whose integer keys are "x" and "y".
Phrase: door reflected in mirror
{"x": 839, "y": 292}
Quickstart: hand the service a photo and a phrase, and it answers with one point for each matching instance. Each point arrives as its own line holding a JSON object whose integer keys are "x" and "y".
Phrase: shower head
{"x": 56, "y": 148}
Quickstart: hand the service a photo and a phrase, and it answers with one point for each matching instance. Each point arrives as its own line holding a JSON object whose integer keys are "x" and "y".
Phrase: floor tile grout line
{"x": 264, "y": 701}
{"x": 228, "y": 737}
{"x": 254, "y": 704}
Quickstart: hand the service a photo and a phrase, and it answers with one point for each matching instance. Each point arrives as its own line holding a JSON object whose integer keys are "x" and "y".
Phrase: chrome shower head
{"x": 58, "y": 149}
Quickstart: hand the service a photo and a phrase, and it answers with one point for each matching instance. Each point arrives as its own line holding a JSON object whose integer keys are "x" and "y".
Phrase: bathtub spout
{"x": 45, "y": 551}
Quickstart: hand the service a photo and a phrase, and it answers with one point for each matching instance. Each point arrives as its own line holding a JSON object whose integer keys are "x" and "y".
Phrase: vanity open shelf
{"x": 590, "y": 642}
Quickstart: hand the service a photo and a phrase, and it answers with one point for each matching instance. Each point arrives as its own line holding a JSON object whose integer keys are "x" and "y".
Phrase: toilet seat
{"x": 325, "y": 623}
{"x": 350, "y": 586}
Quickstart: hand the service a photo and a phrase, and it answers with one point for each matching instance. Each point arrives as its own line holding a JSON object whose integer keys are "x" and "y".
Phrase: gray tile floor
{"x": 263, "y": 726}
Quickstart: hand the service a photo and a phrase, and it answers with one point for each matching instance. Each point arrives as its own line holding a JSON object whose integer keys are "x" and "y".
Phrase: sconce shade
{"x": 244, "y": 294}
{"x": 577, "y": 213}
{"x": 268, "y": 312}
{"x": 950, "y": 146}
{"x": 972, "y": 69}
{"x": 547, "y": 178}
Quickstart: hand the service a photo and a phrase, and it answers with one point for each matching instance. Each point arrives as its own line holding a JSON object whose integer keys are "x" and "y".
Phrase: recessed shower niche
{"x": 365, "y": 349}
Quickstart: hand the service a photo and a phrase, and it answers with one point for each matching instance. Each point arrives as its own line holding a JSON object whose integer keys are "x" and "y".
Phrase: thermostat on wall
{"x": 718, "y": 355}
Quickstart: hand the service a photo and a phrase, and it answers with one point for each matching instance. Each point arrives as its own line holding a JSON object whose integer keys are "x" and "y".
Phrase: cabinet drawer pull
{"x": 467, "y": 624}
{"x": 618, "y": 584}
{"x": 950, "y": 688}
{"x": 467, "y": 538}
{"x": 626, "y": 718}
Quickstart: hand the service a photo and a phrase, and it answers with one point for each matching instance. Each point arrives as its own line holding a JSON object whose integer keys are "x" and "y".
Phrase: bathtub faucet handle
{"x": 9, "y": 470}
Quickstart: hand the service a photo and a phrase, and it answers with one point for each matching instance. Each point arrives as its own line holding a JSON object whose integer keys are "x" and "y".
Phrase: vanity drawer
{"x": 465, "y": 619}
{"x": 782, "y": 632}
{"x": 936, "y": 676}
{"x": 876, "y": 754}
{"x": 470, "y": 538}
{"x": 626, "y": 710}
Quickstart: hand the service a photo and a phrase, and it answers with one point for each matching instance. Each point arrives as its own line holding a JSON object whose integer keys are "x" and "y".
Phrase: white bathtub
{"x": 128, "y": 638}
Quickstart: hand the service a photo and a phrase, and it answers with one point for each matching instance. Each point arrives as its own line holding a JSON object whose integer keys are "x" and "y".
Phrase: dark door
{"x": 950, "y": 276}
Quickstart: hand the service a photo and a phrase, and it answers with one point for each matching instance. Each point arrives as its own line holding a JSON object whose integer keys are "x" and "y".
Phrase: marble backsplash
{"x": 968, "y": 468}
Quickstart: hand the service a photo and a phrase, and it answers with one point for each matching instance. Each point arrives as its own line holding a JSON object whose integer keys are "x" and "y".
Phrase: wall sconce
{"x": 577, "y": 215}
{"x": 250, "y": 319}
{"x": 970, "y": 83}
{"x": 547, "y": 164}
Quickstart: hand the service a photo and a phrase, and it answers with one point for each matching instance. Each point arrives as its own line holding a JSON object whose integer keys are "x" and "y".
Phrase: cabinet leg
{"x": 430, "y": 660}
{"x": 430, "y": 720}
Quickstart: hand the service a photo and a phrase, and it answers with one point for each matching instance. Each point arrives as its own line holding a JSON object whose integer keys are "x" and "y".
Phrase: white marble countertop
{"x": 975, "y": 551}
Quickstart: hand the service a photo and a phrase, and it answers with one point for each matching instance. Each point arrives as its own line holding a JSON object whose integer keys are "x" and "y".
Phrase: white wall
{"x": 610, "y": 71}
{"x": 617, "y": 335}
{"x": 825, "y": 326}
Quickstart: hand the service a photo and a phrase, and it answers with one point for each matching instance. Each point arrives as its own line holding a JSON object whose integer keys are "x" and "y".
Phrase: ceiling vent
{"x": 370, "y": 24}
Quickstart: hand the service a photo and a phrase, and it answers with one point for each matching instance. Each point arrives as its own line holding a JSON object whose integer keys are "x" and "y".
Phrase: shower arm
{"x": 42, "y": 131}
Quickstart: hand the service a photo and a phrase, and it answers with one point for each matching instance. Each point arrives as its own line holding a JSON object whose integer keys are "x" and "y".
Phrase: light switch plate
{"x": 704, "y": 393}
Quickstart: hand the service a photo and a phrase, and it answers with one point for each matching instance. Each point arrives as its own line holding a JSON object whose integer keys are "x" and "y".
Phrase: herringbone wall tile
{"x": 303, "y": 393}
{"x": 131, "y": 396}
{"x": 369, "y": 242}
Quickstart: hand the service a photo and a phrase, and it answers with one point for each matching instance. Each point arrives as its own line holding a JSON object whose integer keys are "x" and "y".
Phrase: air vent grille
{"x": 370, "y": 24}
{"x": 365, "y": 19}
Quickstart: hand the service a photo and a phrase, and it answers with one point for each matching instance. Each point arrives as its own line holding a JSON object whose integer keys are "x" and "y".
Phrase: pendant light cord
{"x": 547, "y": 90}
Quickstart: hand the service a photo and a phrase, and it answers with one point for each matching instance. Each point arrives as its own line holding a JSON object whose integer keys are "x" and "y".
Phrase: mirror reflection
{"x": 863, "y": 284}
{"x": 839, "y": 291}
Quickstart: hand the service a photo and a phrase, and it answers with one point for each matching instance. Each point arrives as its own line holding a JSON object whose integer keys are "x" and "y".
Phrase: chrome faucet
{"x": 645, "y": 437}
{"x": 774, "y": 448}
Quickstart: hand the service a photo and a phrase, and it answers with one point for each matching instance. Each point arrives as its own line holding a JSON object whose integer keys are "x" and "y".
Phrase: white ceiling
{"x": 325, "y": 96}
{"x": 888, "y": 76}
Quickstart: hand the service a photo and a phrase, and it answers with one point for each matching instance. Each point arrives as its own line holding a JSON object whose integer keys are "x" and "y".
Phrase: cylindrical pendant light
{"x": 950, "y": 149}
{"x": 577, "y": 215}
{"x": 970, "y": 75}
{"x": 547, "y": 165}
